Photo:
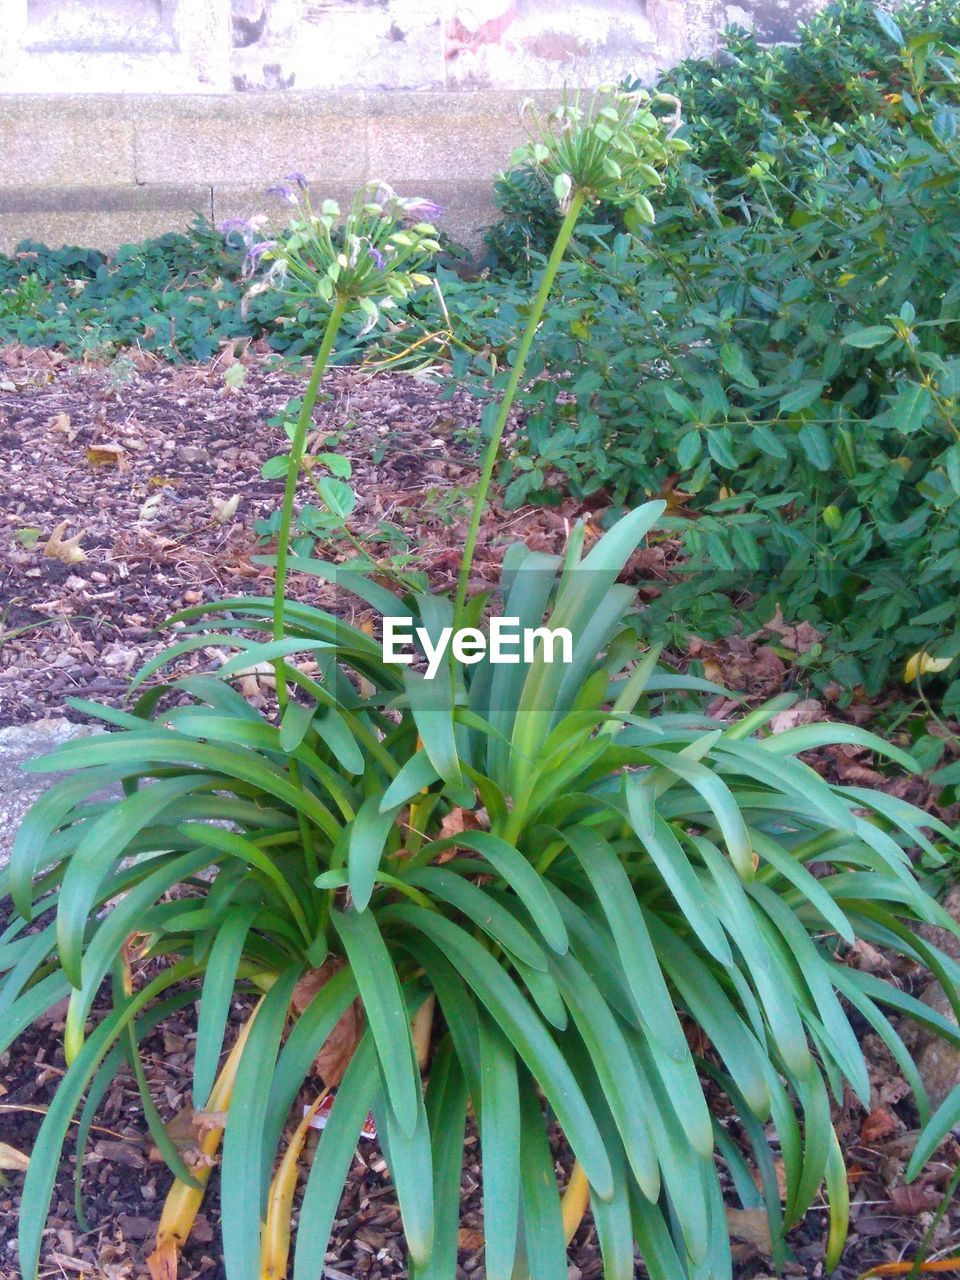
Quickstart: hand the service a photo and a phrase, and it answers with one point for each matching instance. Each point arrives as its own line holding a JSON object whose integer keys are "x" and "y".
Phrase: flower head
{"x": 234, "y": 224}
{"x": 614, "y": 149}
{"x": 370, "y": 257}
{"x": 297, "y": 179}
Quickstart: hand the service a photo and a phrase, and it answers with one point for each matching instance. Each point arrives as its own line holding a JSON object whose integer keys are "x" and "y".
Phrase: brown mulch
{"x": 139, "y": 461}
{"x": 138, "y": 458}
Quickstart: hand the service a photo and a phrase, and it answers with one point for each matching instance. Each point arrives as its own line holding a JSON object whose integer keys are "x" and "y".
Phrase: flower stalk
{"x": 564, "y": 235}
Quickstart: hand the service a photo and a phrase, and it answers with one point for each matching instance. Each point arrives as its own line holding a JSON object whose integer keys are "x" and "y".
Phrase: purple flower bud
{"x": 425, "y": 210}
{"x": 284, "y": 193}
{"x": 297, "y": 178}
{"x": 377, "y": 256}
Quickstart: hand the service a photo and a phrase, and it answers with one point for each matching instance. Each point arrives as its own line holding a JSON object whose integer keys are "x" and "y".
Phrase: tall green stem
{"x": 523, "y": 351}
{"x": 294, "y": 464}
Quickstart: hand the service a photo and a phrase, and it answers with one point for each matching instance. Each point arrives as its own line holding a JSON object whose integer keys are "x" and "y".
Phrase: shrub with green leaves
{"x": 780, "y": 351}
{"x": 542, "y": 883}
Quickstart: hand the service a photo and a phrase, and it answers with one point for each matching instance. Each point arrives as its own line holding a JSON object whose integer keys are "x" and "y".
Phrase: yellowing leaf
{"x": 183, "y": 1202}
{"x": 57, "y": 547}
{"x": 275, "y": 1241}
{"x": 922, "y": 663}
{"x": 235, "y": 376}
{"x": 11, "y": 1158}
{"x": 107, "y": 455}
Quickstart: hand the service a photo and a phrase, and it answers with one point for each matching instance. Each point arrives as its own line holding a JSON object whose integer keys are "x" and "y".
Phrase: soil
{"x": 142, "y": 461}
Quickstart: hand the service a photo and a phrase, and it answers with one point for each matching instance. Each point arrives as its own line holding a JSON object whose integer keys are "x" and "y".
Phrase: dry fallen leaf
{"x": 224, "y": 509}
{"x": 61, "y": 423}
{"x": 799, "y": 637}
{"x": 880, "y": 1123}
{"x": 914, "y": 1199}
{"x": 11, "y": 1158}
{"x": 107, "y": 455}
{"x": 781, "y": 1172}
{"x": 336, "y": 1051}
{"x": 808, "y": 711}
{"x": 469, "y": 1239}
{"x": 752, "y": 1227}
{"x": 57, "y": 547}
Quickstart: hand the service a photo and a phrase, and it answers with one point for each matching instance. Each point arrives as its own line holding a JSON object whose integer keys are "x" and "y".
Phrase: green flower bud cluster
{"x": 614, "y": 149}
{"x": 371, "y": 258}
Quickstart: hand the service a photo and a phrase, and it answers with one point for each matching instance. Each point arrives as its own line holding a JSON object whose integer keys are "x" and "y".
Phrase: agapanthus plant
{"x": 525, "y": 893}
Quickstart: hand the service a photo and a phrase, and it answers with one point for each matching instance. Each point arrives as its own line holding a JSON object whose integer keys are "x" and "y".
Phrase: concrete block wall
{"x": 102, "y": 169}
{"x": 123, "y": 118}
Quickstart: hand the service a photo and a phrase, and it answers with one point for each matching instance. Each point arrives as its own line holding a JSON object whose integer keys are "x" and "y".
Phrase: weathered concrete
{"x": 98, "y": 217}
{"x": 18, "y": 790}
{"x": 66, "y": 141}
{"x": 225, "y": 96}
{"x": 232, "y": 139}
{"x": 426, "y": 136}
{"x": 217, "y": 154}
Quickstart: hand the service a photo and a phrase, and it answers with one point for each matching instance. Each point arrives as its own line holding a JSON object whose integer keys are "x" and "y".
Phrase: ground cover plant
{"x": 537, "y": 879}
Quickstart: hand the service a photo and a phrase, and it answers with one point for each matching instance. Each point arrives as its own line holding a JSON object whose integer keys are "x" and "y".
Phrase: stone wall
{"x": 121, "y": 118}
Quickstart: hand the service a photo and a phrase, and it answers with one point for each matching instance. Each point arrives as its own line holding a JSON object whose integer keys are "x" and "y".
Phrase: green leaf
{"x": 294, "y": 725}
{"x": 446, "y": 1117}
{"x": 679, "y": 876}
{"x": 910, "y": 409}
{"x": 614, "y": 1068}
{"x": 481, "y": 907}
{"x": 546, "y": 1251}
{"x": 432, "y": 707}
{"x": 526, "y": 883}
{"x": 943, "y": 1121}
{"x": 386, "y": 1013}
{"x": 768, "y": 442}
{"x": 617, "y": 897}
{"x": 871, "y": 336}
{"x": 524, "y": 1029}
{"x": 816, "y": 445}
{"x": 338, "y": 496}
{"x": 417, "y": 773}
{"x": 410, "y": 1159}
{"x": 45, "y": 1156}
{"x": 802, "y": 397}
{"x": 333, "y": 1159}
{"x": 216, "y": 995}
{"x": 101, "y": 846}
{"x": 500, "y": 1145}
{"x": 368, "y": 836}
